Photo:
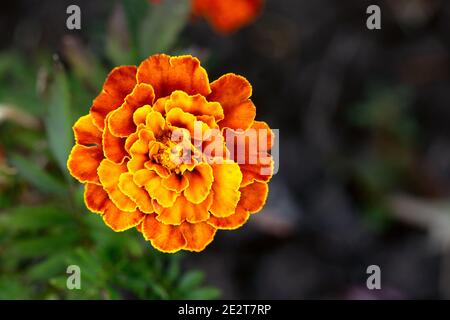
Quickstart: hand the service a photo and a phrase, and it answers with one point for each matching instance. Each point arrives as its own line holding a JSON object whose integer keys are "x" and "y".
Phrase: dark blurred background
{"x": 364, "y": 164}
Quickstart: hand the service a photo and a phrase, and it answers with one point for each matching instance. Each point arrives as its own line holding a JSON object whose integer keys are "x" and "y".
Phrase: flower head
{"x": 165, "y": 151}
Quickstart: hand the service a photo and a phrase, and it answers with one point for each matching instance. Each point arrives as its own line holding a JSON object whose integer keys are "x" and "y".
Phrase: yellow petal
{"x": 227, "y": 180}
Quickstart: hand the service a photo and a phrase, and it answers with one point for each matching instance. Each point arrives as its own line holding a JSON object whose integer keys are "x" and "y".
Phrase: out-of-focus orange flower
{"x": 226, "y": 16}
{"x": 165, "y": 151}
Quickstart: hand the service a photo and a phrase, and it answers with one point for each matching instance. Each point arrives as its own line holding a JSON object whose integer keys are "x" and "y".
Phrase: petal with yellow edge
{"x": 176, "y": 182}
{"x": 235, "y": 221}
{"x": 83, "y": 163}
{"x": 196, "y": 105}
{"x": 197, "y": 235}
{"x": 119, "y": 220}
{"x": 86, "y": 133}
{"x": 233, "y": 93}
{"x": 118, "y": 85}
{"x": 157, "y": 191}
{"x": 167, "y": 74}
{"x": 95, "y": 197}
{"x": 227, "y": 180}
{"x": 200, "y": 182}
{"x": 121, "y": 120}
{"x": 109, "y": 173}
{"x": 138, "y": 194}
{"x": 113, "y": 147}
{"x": 254, "y": 196}
{"x": 165, "y": 238}
{"x": 140, "y": 115}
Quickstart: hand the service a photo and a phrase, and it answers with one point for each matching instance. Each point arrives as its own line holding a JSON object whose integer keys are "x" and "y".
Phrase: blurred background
{"x": 364, "y": 165}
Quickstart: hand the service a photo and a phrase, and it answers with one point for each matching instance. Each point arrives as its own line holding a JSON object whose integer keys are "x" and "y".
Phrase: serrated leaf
{"x": 59, "y": 120}
{"x": 36, "y": 176}
{"x": 162, "y": 26}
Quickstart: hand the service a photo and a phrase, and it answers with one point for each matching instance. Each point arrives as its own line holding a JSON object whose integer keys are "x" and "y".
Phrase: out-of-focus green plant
{"x": 385, "y": 157}
{"x": 44, "y": 225}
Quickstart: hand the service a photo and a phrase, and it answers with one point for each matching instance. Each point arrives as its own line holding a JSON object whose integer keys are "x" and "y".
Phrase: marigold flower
{"x": 226, "y": 16}
{"x": 165, "y": 151}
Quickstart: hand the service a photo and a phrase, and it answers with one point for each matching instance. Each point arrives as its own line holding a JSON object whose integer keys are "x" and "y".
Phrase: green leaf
{"x": 52, "y": 266}
{"x": 191, "y": 280}
{"x": 40, "y": 246}
{"x": 37, "y": 176}
{"x": 162, "y": 26}
{"x": 206, "y": 293}
{"x": 25, "y": 218}
{"x": 59, "y": 120}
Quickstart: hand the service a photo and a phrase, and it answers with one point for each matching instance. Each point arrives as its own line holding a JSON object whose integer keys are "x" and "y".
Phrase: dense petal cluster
{"x": 159, "y": 151}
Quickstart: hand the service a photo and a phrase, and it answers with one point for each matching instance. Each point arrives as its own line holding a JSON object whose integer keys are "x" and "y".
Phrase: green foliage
{"x": 44, "y": 225}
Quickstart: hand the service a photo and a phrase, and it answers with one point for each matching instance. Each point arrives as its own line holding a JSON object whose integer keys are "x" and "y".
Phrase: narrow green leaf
{"x": 36, "y": 176}
{"x": 59, "y": 120}
{"x": 204, "y": 294}
{"x": 162, "y": 26}
{"x": 25, "y": 218}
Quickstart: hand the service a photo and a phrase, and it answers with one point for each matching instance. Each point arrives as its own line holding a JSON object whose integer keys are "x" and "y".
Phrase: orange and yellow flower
{"x": 226, "y": 16}
{"x": 159, "y": 151}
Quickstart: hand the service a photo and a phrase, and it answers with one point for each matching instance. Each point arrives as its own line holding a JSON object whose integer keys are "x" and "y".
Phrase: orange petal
{"x": 95, "y": 197}
{"x": 136, "y": 193}
{"x": 155, "y": 123}
{"x": 165, "y": 238}
{"x": 197, "y": 235}
{"x": 86, "y": 133}
{"x": 196, "y": 105}
{"x": 118, "y": 85}
{"x": 227, "y": 180}
{"x": 140, "y": 114}
{"x": 121, "y": 120}
{"x": 262, "y": 171}
{"x": 200, "y": 182}
{"x": 167, "y": 74}
{"x": 228, "y": 16}
{"x": 160, "y": 105}
{"x": 143, "y": 177}
{"x": 113, "y": 147}
{"x": 119, "y": 220}
{"x": 236, "y": 220}
{"x": 253, "y": 196}
{"x": 83, "y": 163}
{"x": 233, "y": 93}
{"x": 180, "y": 119}
{"x": 159, "y": 169}
{"x": 132, "y": 138}
{"x": 109, "y": 174}
{"x": 183, "y": 210}
{"x": 157, "y": 191}
{"x": 176, "y": 182}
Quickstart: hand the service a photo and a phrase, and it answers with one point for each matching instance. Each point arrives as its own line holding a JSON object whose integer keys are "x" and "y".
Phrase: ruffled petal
{"x": 262, "y": 171}
{"x": 176, "y": 182}
{"x": 183, "y": 210}
{"x": 121, "y": 120}
{"x": 197, "y": 235}
{"x": 200, "y": 182}
{"x": 253, "y": 196}
{"x": 235, "y": 221}
{"x": 86, "y": 133}
{"x": 140, "y": 114}
{"x": 166, "y": 238}
{"x": 95, "y": 197}
{"x": 233, "y": 93}
{"x": 196, "y": 105}
{"x": 168, "y": 74}
{"x": 227, "y": 180}
{"x": 109, "y": 174}
{"x": 138, "y": 194}
{"x": 155, "y": 122}
{"x": 113, "y": 147}
{"x": 118, "y": 85}
{"x": 83, "y": 163}
{"x": 157, "y": 191}
{"x": 119, "y": 220}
